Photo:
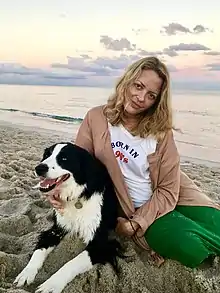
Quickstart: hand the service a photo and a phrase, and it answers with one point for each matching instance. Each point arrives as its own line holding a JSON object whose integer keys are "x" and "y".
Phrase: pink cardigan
{"x": 170, "y": 185}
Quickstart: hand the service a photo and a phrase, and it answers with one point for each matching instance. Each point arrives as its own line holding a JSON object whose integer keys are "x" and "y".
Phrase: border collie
{"x": 90, "y": 212}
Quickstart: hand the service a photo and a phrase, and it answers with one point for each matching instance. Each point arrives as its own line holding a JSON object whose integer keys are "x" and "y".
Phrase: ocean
{"x": 62, "y": 109}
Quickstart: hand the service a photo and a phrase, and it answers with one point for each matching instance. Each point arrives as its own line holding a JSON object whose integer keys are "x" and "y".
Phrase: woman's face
{"x": 143, "y": 93}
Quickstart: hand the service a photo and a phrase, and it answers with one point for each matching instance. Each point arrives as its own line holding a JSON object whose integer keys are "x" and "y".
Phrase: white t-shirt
{"x": 131, "y": 153}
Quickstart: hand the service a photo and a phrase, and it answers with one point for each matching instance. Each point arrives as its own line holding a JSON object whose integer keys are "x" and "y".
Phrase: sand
{"x": 24, "y": 213}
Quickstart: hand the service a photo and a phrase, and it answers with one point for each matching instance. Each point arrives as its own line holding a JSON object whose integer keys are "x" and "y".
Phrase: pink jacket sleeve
{"x": 166, "y": 193}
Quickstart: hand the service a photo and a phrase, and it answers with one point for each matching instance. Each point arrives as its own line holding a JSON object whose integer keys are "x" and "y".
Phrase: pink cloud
{"x": 196, "y": 74}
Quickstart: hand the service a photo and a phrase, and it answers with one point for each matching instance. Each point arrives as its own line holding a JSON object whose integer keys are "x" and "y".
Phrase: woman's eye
{"x": 152, "y": 97}
{"x": 138, "y": 86}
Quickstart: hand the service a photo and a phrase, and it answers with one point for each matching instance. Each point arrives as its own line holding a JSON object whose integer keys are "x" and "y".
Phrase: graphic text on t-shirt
{"x": 123, "y": 147}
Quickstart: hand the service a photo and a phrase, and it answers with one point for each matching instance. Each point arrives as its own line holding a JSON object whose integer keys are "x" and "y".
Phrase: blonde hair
{"x": 157, "y": 120}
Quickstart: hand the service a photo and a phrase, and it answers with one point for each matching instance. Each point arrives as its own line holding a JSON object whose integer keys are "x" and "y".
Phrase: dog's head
{"x": 60, "y": 165}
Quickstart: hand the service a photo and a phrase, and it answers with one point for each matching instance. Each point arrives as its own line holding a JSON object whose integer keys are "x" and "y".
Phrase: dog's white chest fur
{"x": 84, "y": 221}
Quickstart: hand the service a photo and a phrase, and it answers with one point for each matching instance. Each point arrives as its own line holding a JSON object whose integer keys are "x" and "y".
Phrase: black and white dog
{"x": 90, "y": 211}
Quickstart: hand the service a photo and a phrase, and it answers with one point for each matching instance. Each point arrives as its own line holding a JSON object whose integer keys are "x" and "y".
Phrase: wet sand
{"x": 24, "y": 213}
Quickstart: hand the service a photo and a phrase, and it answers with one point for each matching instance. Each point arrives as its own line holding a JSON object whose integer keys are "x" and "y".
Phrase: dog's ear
{"x": 47, "y": 153}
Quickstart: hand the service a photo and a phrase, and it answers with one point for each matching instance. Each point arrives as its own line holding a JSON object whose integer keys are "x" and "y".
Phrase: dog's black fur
{"x": 86, "y": 170}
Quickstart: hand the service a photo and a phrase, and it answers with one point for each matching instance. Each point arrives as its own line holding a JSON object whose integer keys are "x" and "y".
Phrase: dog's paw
{"x": 52, "y": 285}
{"x": 26, "y": 276}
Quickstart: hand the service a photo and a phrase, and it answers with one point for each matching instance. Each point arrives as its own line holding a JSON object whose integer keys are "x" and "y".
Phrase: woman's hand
{"x": 125, "y": 228}
{"x": 55, "y": 201}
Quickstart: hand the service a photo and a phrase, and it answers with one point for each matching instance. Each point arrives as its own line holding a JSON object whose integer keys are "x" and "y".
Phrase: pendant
{"x": 78, "y": 205}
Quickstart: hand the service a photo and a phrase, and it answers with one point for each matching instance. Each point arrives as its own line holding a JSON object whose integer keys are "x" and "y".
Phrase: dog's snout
{"x": 41, "y": 169}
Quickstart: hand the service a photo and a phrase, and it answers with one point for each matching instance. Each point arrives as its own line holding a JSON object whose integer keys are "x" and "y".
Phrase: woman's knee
{"x": 183, "y": 246}
{"x": 189, "y": 250}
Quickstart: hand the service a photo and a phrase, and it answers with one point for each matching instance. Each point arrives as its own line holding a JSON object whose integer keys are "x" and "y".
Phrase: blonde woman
{"x": 162, "y": 209}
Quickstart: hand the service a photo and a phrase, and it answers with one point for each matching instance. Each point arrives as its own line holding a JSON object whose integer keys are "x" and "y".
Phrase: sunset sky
{"x": 90, "y": 43}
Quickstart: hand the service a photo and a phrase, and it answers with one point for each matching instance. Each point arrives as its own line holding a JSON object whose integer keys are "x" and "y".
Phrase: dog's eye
{"x": 63, "y": 158}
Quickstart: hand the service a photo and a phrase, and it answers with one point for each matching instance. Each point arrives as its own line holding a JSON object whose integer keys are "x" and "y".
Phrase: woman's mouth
{"x": 135, "y": 106}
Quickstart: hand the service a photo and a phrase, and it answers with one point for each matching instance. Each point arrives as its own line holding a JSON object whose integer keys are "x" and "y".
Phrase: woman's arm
{"x": 166, "y": 194}
{"x": 84, "y": 136}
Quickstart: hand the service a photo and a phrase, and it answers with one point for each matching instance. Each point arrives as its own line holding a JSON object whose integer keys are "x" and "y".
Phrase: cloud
{"x": 14, "y": 73}
{"x": 171, "y": 68}
{"x": 142, "y": 52}
{"x": 105, "y": 65}
{"x": 77, "y": 71}
{"x": 16, "y": 68}
{"x": 188, "y": 47}
{"x": 170, "y": 52}
{"x": 85, "y": 56}
{"x": 117, "y": 44}
{"x": 87, "y": 71}
{"x": 198, "y": 29}
{"x": 88, "y": 65}
{"x": 175, "y": 28}
{"x": 213, "y": 66}
{"x": 212, "y": 53}
{"x": 124, "y": 44}
{"x": 166, "y": 51}
{"x": 100, "y": 66}
{"x": 116, "y": 63}
{"x": 139, "y": 31}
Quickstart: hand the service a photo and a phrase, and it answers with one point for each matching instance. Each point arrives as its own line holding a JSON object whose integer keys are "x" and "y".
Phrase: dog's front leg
{"x": 47, "y": 241}
{"x": 58, "y": 281}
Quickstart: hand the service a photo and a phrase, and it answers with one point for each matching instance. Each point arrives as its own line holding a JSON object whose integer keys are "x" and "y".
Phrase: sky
{"x": 90, "y": 43}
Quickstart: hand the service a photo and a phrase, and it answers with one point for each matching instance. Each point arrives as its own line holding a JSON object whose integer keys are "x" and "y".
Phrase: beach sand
{"x": 24, "y": 213}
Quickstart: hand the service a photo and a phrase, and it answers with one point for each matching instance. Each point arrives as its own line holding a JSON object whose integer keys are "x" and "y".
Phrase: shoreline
{"x": 67, "y": 131}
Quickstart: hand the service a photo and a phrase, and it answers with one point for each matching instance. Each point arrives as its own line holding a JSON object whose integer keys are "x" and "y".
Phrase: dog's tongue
{"x": 46, "y": 182}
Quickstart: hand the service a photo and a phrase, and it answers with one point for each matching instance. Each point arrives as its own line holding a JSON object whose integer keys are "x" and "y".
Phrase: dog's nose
{"x": 41, "y": 169}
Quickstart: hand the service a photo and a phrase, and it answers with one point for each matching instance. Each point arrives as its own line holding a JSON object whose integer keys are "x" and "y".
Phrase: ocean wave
{"x": 76, "y": 120}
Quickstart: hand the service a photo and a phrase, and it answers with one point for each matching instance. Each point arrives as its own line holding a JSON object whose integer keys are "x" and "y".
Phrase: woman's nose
{"x": 141, "y": 97}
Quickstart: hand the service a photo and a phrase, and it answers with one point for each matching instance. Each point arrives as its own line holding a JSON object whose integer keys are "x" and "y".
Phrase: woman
{"x": 133, "y": 136}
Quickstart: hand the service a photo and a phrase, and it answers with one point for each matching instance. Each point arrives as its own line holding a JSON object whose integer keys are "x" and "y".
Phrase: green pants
{"x": 189, "y": 234}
